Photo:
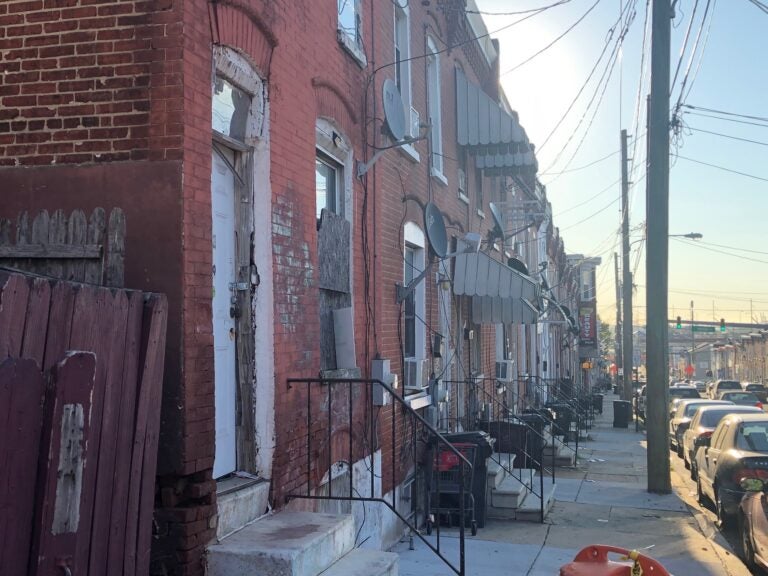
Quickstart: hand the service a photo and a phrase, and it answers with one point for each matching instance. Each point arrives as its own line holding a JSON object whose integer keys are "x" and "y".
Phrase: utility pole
{"x": 628, "y": 361}
{"x": 693, "y": 346}
{"x": 619, "y": 358}
{"x": 657, "y": 259}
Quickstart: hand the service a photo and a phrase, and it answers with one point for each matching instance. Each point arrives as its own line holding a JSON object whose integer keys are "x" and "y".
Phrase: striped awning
{"x": 500, "y": 295}
{"x": 492, "y": 135}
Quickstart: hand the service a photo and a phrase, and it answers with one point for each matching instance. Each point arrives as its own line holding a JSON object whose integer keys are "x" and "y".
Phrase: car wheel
{"x": 747, "y": 552}
{"x": 722, "y": 518}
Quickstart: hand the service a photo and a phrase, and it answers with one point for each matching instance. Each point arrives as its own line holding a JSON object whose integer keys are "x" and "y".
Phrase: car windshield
{"x": 691, "y": 407}
{"x": 711, "y": 418}
{"x": 728, "y": 385}
{"x": 755, "y": 387}
{"x": 753, "y": 436}
{"x": 739, "y": 397}
{"x": 684, "y": 393}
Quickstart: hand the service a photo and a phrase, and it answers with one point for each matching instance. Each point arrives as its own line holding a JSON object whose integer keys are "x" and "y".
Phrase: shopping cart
{"x": 449, "y": 479}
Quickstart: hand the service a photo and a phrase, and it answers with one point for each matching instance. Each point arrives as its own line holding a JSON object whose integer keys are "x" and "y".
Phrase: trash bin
{"x": 484, "y": 444}
{"x": 622, "y": 413}
{"x": 564, "y": 415}
{"x": 597, "y": 402}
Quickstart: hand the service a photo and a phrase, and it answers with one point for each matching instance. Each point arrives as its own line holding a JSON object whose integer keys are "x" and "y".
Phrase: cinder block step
{"x": 512, "y": 491}
{"x": 286, "y": 544}
{"x": 365, "y": 561}
{"x": 530, "y": 511}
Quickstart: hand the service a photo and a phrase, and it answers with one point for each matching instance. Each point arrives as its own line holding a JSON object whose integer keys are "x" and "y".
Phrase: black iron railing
{"x": 347, "y": 422}
{"x": 481, "y": 404}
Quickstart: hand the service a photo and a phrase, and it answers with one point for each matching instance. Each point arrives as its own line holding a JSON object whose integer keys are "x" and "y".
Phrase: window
{"x": 479, "y": 193}
{"x": 414, "y": 304}
{"x": 434, "y": 108}
{"x": 329, "y": 180}
{"x": 229, "y": 109}
{"x": 350, "y": 28}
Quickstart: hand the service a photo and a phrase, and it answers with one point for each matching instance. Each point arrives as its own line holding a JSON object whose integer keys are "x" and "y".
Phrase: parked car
{"x": 738, "y": 449}
{"x": 682, "y": 392}
{"x": 741, "y": 398}
{"x": 700, "y": 385}
{"x": 681, "y": 419}
{"x": 721, "y": 385}
{"x": 753, "y": 524}
{"x": 757, "y": 389}
{"x": 704, "y": 422}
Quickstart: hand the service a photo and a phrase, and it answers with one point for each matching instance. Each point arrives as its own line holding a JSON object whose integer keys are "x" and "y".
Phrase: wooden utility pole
{"x": 657, "y": 261}
{"x": 626, "y": 283}
{"x": 618, "y": 355}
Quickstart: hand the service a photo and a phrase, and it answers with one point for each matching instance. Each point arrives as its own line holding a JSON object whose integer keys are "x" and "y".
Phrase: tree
{"x": 605, "y": 335}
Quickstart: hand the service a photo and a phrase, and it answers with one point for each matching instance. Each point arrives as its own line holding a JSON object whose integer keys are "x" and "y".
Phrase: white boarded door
{"x": 223, "y": 240}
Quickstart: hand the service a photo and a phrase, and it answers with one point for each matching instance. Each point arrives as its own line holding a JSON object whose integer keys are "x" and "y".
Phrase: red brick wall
{"x": 87, "y": 81}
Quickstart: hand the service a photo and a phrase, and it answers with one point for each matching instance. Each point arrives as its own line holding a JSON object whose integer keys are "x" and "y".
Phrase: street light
{"x": 691, "y": 235}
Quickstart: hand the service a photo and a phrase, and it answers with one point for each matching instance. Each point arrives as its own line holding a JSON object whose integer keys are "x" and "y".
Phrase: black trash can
{"x": 622, "y": 413}
{"x": 564, "y": 415}
{"x": 597, "y": 402}
{"x": 484, "y": 444}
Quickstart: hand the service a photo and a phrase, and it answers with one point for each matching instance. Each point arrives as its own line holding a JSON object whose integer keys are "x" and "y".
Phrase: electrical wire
{"x": 683, "y": 47}
{"x": 704, "y": 243}
{"x": 723, "y": 168}
{"x": 692, "y": 243}
{"x": 693, "y": 53}
{"x": 548, "y": 46}
{"x": 727, "y": 136}
{"x": 724, "y": 113}
{"x": 760, "y": 5}
{"x": 758, "y": 124}
{"x": 701, "y": 54}
{"x": 581, "y": 167}
{"x": 518, "y": 12}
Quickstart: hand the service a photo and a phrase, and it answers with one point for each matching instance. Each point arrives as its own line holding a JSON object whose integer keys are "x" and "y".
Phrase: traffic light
{"x": 679, "y": 322}
{"x": 722, "y": 324}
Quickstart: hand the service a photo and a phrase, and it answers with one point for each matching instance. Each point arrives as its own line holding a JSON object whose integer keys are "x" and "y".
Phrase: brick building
{"x": 203, "y": 121}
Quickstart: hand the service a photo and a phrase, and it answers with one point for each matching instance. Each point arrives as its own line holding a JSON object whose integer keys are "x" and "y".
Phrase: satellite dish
{"x": 435, "y": 227}
{"x": 498, "y": 228}
{"x": 394, "y": 114}
{"x": 517, "y": 265}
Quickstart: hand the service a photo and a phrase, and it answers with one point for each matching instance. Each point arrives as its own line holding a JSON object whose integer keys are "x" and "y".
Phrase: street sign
{"x": 703, "y": 328}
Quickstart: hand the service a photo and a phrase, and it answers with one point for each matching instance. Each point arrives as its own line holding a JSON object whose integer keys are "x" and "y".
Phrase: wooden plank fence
{"x": 71, "y": 247}
{"x": 86, "y": 463}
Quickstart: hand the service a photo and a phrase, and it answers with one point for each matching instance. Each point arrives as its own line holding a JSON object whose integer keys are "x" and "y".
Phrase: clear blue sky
{"x": 730, "y": 210}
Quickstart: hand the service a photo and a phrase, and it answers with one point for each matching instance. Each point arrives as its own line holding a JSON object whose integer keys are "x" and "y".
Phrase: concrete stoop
{"x": 297, "y": 544}
{"x": 515, "y": 496}
{"x": 564, "y": 456}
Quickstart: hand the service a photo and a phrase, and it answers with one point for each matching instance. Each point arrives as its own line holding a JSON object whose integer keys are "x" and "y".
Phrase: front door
{"x": 223, "y": 241}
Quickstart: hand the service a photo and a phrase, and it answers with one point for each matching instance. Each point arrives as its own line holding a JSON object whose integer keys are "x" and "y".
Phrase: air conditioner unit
{"x": 462, "y": 181}
{"x": 416, "y": 375}
{"x": 504, "y": 370}
{"x": 415, "y": 122}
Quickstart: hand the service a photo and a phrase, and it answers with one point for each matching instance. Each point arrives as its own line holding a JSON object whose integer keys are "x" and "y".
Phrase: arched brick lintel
{"x": 332, "y": 103}
{"x": 250, "y": 35}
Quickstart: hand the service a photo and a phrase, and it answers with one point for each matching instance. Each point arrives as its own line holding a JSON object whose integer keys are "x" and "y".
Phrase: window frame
{"x": 351, "y": 41}
{"x": 435, "y": 113}
{"x": 414, "y": 241}
{"x": 321, "y": 157}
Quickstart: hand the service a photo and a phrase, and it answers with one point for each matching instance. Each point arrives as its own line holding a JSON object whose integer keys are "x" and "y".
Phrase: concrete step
{"x": 497, "y": 472}
{"x": 530, "y": 510}
{"x": 285, "y": 544}
{"x": 511, "y": 493}
{"x": 365, "y": 561}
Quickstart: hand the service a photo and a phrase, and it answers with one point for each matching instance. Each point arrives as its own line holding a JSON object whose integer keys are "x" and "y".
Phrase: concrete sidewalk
{"x": 603, "y": 500}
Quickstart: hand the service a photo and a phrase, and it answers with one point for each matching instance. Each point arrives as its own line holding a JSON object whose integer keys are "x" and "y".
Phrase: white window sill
{"x": 464, "y": 198}
{"x": 354, "y": 50}
{"x": 409, "y": 151}
{"x": 418, "y": 401}
{"x": 481, "y": 213}
{"x": 440, "y": 177}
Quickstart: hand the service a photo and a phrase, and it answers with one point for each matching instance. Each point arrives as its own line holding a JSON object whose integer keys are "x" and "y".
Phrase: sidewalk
{"x": 602, "y": 501}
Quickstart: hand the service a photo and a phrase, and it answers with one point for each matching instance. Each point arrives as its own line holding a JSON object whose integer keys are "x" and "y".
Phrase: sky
{"x": 725, "y": 274}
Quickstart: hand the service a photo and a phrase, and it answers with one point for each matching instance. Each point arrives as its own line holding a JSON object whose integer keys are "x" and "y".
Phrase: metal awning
{"x": 493, "y": 136}
{"x": 500, "y": 295}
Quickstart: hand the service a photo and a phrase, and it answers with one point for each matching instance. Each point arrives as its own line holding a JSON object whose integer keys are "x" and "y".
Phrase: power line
{"x": 728, "y": 136}
{"x": 760, "y": 125}
{"x": 684, "y": 46}
{"x": 693, "y": 53}
{"x": 518, "y": 12}
{"x": 723, "y": 168}
{"x": 548, "y": 46}
{"x": 692, "y": 243}
{"x": 703, "y": 50}
{"x": 580, "y": 167}
{"x": 724, "y": 113}
{"x": 760, "y": 5}
{"x": 731, "y": 248}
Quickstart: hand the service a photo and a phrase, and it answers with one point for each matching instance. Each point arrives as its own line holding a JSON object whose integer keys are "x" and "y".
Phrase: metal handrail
{"x": 502, "y": 414}
{"x": 369, "y": 429}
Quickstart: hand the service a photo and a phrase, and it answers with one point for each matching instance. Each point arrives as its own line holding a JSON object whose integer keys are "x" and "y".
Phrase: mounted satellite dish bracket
{"x": 394, "y": 125}
{"x": 438, "y": 241}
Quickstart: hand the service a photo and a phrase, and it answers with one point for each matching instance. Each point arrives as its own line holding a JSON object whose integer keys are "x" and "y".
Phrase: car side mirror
{"x": 751, "y": 484}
